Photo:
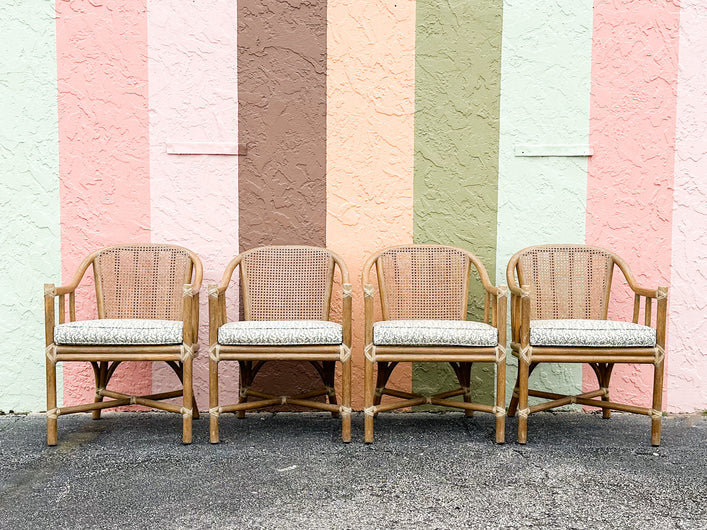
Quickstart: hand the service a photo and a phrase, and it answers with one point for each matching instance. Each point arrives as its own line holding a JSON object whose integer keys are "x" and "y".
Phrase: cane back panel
{"x": 287, "y": 283}
{"x": 566, "y": 281}
{"x": 142, "y": 281}
{"x": 423, "y": 282}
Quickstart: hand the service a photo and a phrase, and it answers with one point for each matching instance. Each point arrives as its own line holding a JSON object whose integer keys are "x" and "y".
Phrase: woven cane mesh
{"x": 421, "y": 282}
{"x": 142, "y": 281}
{"x": 287, "y": 283}
{"x": 566, "y": 281}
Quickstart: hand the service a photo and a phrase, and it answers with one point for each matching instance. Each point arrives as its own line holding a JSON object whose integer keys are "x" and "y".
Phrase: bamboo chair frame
{"x": 386, "y": 358}
{"x": 252, "y": 358}
{"x": 106, "y": 359}
{"x": 524, "y": 307}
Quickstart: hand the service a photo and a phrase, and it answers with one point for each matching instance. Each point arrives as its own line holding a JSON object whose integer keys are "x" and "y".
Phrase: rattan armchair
{"x": 147, "y": 299}
{"x": 287, "y": 306}
{"x": 424, "y": 293}
{"x": 559, "y": 308}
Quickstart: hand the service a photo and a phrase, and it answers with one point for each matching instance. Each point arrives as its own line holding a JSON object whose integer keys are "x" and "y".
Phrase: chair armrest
{"x": 368, "y": 295}
{"x": 190, "y": 313}
{"x": 632, "y": 283}
{"x": 78, "y": 276}
{"x": 501, "y": 311}
{"x": 520, "y": 314}
{"x": 49, "y": 315}
{"x": 347, "y": 313}
{"x": 368, "y": 310}
{"x": 217, "y": 311}
{"x": 517, "y": 291}
{"x": 661, "y": 317}
{"x": 660, "y": 294}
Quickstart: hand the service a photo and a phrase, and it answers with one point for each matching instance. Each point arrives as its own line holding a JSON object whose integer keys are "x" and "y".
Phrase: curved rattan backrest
{"x": 287, "y": 283}
{"x": 141, "y": 281}
{"x": 565, "y": 281}
{"x": 423, "y": 282}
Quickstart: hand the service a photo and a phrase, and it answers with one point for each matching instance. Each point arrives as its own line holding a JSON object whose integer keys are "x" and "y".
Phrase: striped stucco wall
{"x": 366, "y": 124}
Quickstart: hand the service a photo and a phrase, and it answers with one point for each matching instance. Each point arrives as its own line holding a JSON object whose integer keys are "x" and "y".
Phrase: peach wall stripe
{"x": 194, "y": 98}
{"x": 632, "y": 131}
{"x": 687, "y": 377}
{"x": 370, "y": 115}
{"x": 103, "y": 150}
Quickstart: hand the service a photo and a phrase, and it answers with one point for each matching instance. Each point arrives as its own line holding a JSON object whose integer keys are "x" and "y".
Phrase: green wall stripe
{"x": 29, "y": 197}
{"x": 545, "y": 101}
{"x": 457, "y": 100}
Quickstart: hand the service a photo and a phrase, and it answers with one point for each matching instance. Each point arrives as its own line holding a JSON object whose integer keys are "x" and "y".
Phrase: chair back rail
{"x": 565, "y": 281}
{"x": 135, "y": 275}
{"x": 284, "y": 282}
{"x": 131, "y": 281}
{"x": 427, "y": 282}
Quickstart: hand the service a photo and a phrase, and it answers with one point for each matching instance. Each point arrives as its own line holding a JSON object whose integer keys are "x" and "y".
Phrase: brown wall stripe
{"x": 282, "y": 120}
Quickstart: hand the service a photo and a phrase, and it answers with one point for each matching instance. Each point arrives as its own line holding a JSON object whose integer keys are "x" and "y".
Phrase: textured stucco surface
{"x": 29, "y": 197}
{"x": 632, "y": 131}
{"x": 544, "y": 101}
{"x": 193, "y": 97}
{"x": 103, "y": 151}
{"x": 110, "y": 180}
{"x": 282, "y": 50}
{"x": 457, "y": 96}
{"x": 370, "y": 106}
{"x": 687, "y": 376}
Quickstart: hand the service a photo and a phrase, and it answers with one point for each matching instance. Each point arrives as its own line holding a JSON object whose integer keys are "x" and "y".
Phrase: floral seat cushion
{"x": 434, "y": 333}
{"x": 119, "y": 332}
{"x": 280, "y": 333}
{"x": 590, "y": 333}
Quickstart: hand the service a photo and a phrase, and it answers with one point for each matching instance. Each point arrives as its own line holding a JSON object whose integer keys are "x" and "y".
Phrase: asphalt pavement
{"x": 291, "y": 470}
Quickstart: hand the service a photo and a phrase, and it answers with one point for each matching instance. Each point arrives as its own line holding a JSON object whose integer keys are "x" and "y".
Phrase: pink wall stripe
{"x": 632, "y": 131}
{"x": 687, "y": 378}
{"x": 103, "y": 149}
{"x": 194, "y": 98}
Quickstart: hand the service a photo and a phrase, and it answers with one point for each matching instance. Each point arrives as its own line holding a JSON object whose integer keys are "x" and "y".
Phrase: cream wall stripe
{"x": 545, "y": 80}
{"x": 29, "y": 195}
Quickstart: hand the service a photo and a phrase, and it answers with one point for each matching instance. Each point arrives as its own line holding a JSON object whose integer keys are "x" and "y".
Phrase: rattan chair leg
{"x": 51, "y": 403}
{"x": 501, "y": 401}
{"x": 346, "y": 400}
{"x": 606, "y": 413}
{"x": 369, "y": 391}
{"x": 382, "y": 376}
{"x": 194, "y": 407}
{"x": 523, "y": 374}
{"x": 100, "y": 383}
{"x": 329, "y": 371}
{"x": 656, "y": 416}
{"x": 213, "y": 401}
{"x": 513, "y": 405}
{"x": 465, "y": 370}
{"x": 187, "y": 400}
{"x": 244, "y": 381}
